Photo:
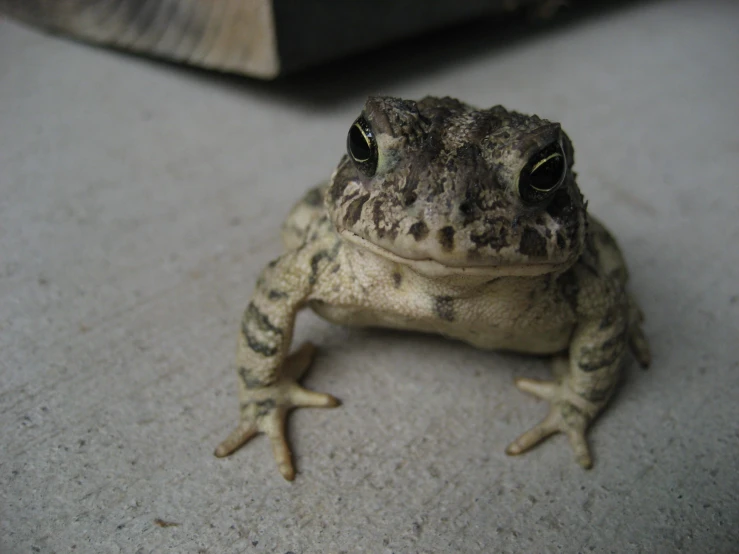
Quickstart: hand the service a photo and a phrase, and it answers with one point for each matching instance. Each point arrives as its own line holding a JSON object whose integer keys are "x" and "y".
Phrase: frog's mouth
{"x": 434, "y": 268}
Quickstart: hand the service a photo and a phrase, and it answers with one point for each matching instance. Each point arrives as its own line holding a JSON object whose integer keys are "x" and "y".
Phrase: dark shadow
{"x": 378, "y": 70}
{"x": 403, "y": 61}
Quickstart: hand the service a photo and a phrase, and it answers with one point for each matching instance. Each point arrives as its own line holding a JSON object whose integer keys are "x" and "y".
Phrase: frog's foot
{"x": 569, "y": 414}
{"x": 265, "y": 409}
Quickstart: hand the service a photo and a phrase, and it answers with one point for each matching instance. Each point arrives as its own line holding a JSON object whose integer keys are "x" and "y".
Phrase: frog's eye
{"x": 362, "y": 147}
{"x": 543, "y": 174}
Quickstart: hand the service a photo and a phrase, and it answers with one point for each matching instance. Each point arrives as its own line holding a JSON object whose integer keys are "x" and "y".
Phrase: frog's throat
{"x": 434, "y": 268}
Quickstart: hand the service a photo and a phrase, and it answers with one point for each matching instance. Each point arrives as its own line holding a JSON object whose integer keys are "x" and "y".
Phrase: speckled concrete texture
{"x": 139, "y": 200}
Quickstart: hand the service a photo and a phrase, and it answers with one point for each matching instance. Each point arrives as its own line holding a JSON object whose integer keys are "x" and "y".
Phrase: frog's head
{"x": 445, "y": 188}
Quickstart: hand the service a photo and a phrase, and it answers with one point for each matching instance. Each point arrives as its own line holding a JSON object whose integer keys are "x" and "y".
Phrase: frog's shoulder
{"x": 603, "y": 252}
{"x": 595, "y": 285}
{"x": 305, "y": 215}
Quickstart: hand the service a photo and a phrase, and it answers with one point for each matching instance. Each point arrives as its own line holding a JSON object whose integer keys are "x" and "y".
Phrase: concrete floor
{"x": 138, "y": 201}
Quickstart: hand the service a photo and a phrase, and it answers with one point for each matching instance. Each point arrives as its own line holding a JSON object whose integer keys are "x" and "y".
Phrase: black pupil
{"x": 548, "y": 169}
{"x": 358, "y": 144}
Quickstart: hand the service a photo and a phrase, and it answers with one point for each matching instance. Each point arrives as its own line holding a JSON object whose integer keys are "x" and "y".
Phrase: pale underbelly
{"x": 488, "y": 335}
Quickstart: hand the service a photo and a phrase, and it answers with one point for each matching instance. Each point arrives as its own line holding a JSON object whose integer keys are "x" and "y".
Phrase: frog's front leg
{"x": 584, "y": 382}
{"x": 267, "y": 376}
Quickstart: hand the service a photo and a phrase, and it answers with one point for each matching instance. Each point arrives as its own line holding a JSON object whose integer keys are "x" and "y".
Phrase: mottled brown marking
{"x": 472, "y": 198}
{"x": 377, "y": 214}
{"x": 338, "y": 187}
{"x": 319, "y": 257}
{"x": 568, "y": 286}
{"x": 314, "y": 197}
{"x": 381, "y": 225}
{"x": 605, "y": 355}
{"x": 468, "y": 154}
{"x": 249, "y": 378}
{"x": 264, "y": 407}
{"x": 561, "y": 243}
{"x": 354, "y": 210}
{"x": 446, "y": 238}
{"x": 467, "y": 209}
{"x": 397, "y": 279}
{"x": 419, "y": 230}
{"x": 276, "y": 294}
{"x": 263, "y": 348}
{"x": 444, "y": 307}
{"x": 494, "y": 234}
{"x": 409, "y": 191}
{"x": 532, "y": 243}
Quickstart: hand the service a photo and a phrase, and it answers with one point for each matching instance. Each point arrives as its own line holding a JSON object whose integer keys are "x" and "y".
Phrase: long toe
{"x": 545, "y": 390}
{"x": 580, "y": 446}
{"x": 274, "y": 427}
{"x": 303, "y": 398}
{"x": 535, "y": 435}
{"x": 238, "y": 437}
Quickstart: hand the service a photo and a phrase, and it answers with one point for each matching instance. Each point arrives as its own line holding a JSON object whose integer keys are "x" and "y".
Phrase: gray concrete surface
{"x": 138, "y": 201}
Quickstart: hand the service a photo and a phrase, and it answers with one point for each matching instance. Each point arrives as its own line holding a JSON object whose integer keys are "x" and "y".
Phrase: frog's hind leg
{"x": 305, "y": 212}
{"x": 638, "y": 343}
{"x": 612, "y": 261}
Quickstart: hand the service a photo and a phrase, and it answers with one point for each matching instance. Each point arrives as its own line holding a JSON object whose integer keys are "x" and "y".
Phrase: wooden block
{"x": 259, "y": 38}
